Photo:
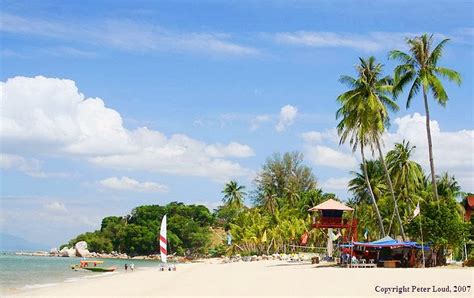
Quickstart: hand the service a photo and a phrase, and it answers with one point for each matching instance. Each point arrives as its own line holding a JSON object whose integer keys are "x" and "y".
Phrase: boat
{"x": 164, "y": 248}
{"x": 92, "y": 266}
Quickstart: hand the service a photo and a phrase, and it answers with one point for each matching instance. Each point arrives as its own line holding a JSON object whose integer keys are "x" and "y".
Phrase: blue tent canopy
{"x": 385, "y": 242}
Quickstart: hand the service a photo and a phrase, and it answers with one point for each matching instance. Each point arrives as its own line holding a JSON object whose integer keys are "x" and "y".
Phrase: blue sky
{"x": 219, "y": 86}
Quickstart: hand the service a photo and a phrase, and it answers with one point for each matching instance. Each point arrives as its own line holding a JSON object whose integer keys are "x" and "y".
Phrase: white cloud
{"x": 29, "y": 166}
{"x": 126, "y": 35}
{"x": 326, "y": 156}
{"x": 335, "y": 184}
{"x": 129, "y": 184}
{"x": 258, "y": 120}
{"x": 53, "y": 117}
{"x": 231, "y": 150}
{"x": 287, "y": 116}
{"x": 56, "y": 207}
{"x": 312, "y": 136}
{"x": 453, "y": 151}
{"x": 371, "y": 42}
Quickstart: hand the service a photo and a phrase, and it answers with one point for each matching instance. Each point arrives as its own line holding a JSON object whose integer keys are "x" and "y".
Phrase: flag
{"x": 416, "y": 211}
{"x": 304, "y": 239}
{"x": 264, "y": 237}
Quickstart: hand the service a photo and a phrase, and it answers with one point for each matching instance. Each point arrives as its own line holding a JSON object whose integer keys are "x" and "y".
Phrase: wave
{"x": 37, "y": 286}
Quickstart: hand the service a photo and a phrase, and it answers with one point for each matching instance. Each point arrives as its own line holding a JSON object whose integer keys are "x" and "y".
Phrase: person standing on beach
{"x": 132, "y": 266}
{"x": 126, "y": 267}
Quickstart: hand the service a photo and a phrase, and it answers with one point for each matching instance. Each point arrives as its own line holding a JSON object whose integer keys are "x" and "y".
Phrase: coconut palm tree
{"x": 368, "y": 102}
{"x": 358, "y": 186}
{"x": 407, "y": 175}
{"x": 234, "y": 194}
{"x": 357, "y": 114}
{"x": 448, "y": 186}
{"x": 420, "y": 69}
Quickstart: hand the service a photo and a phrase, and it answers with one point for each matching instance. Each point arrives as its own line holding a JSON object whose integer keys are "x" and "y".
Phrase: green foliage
{"x": 136, "y": 234}
{"x": 282, "y": 179}
{"x": 442, "y": 227}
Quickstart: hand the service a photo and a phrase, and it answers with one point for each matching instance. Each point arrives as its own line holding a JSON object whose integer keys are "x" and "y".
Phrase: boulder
{"x": 81, "y": 249}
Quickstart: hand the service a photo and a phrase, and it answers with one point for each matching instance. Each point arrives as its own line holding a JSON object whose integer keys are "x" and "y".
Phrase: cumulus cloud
{"x": 53, "y": 117}
{"x": 129, "y": 184}
{"x": 329, "y": 157}
{"x": 453, "y": 151}
{"x": 287, "y": 116}
{"x": 335, "y": 184}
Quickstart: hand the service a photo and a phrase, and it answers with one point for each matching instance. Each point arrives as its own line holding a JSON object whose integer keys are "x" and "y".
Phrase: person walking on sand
{"x": 126, "y": 267}
{"x": 132, "y": 266}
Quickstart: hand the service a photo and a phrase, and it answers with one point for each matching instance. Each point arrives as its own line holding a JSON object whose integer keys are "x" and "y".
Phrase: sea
{"x": 19, "y": 273}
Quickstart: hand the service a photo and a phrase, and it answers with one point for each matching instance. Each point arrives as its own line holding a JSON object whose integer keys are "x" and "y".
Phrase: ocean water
{"x": 19, "y": 273}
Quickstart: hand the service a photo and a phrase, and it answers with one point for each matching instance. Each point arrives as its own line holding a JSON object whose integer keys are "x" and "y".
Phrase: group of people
{"x": 131, "y": 266}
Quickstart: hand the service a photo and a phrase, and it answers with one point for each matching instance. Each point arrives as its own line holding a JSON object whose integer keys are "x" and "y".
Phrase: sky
{"x": 108, "y": 105}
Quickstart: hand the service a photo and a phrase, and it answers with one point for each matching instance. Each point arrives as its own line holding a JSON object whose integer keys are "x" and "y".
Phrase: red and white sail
{"x": 163, "y": 240}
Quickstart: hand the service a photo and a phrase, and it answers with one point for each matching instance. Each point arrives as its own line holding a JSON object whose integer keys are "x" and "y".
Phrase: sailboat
{"x": 164, "y": 248}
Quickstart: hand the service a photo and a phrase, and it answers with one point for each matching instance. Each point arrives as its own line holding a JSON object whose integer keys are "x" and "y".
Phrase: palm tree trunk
{"x": 369, "y": 187}
{"x": 430, "y": 146}
{"x": 391, "y": 221}
{"x": 390, "y": 186}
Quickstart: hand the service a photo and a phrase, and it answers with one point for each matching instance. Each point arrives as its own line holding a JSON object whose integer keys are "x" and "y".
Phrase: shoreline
{"x": 264, "y": 278}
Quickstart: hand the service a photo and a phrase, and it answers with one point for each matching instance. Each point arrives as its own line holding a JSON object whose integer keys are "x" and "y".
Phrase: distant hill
{"x": 13, "y": 243}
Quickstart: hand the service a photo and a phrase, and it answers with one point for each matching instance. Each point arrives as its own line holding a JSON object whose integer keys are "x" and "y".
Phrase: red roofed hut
{"x": 329, "y": 215}
{"x": 469, "y": 206}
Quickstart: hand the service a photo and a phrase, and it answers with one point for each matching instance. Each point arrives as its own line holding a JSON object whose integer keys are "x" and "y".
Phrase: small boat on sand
{"x": 92, "y": 266}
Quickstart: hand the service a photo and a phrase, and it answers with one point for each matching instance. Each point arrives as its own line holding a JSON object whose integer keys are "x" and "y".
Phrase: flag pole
{"x": 422, "y": 246}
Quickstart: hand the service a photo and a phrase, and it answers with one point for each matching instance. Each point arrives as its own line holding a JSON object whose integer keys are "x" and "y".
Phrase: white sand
{"x": 265, "y": 278}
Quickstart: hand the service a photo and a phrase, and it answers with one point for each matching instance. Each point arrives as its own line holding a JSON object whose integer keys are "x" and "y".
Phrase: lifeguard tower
{"x": 328, "y": 215}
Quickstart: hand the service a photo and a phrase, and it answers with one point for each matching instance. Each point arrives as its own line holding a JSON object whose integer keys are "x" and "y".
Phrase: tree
{"x": 358, "y": 185}
{"x": 420, "y": 69}
{"x": 364, "y": 116}
{"x": 448, "y": 186}
{"x": 442, "y": 225}
{"x": 406, "y": 174}
{"x": 234, "y": 195}
{"x": 283, "y": 177}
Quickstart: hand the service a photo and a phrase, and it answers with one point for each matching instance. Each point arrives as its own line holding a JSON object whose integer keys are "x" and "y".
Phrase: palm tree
{"x": 407, "y": 175}
{"x": 358, "y": 186}
{"x": 357, "y": 114}
{"x": 448, "y": 186}
{"x": 368, "y": 102}
{"x": 421, "y": 68}
{"x": 234, "y": 194}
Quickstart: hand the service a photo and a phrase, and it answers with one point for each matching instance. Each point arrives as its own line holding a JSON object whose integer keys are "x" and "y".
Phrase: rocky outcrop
{"x": 81, "y": 249}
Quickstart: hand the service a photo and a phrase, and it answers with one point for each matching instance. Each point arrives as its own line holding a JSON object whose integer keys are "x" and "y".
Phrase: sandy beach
{"x": 269, "y": 278}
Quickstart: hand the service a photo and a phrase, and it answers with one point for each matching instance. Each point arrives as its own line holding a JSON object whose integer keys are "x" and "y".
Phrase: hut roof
{"x": 470, "y": 201}
{"x": 331, "y": 205}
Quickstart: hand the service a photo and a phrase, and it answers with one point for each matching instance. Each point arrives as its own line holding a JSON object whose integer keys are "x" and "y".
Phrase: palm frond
{"x": 413, "y": 91}
{"x": 401, "y": 80}
{"x": 437, "y": 52}
{"x": 449, "y": 74}
{"x": 438, "y": 90}
{"x": 401, "y": 56}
